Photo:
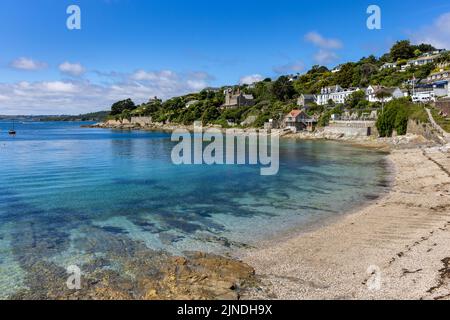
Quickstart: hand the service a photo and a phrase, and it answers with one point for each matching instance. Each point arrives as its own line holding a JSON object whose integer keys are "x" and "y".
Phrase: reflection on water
{"x": 72, "y": 196}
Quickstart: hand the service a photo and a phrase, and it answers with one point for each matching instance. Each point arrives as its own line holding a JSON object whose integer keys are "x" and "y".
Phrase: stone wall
{"x": 141, "y": 121}
{"x": 352, "y": 128}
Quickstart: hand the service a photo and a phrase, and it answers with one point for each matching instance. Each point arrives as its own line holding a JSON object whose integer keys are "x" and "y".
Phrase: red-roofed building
{"x": 298, "y": 120}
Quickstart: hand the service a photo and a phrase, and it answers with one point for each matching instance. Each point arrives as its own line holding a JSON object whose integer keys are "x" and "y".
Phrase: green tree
{"x": 402, "y": 50}
{"x": 445, "y": 57}
{"x": 365, "y": 72}
{"x": 425, "y": 48}
{"x": 344, "y": 78}
{"x": 394, "y": 117}
{"x": 417, "y": 53}
{"x": 318, "y": 69}
{"x": 120, "y": 106}
{"x": 210, "y": 115}
{"x": 263, "y": 91}
{"x": 383, "y": 95}
{"x": 355, "y": 98}
{"x": 283, "y": 89}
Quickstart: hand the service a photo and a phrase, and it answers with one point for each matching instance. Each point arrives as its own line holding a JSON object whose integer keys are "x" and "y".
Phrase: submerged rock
{"x": 148, "y": 275}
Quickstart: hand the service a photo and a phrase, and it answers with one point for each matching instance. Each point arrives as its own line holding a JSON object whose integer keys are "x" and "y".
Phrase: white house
{"x": 335, "y": 93}
{"x": 388, "y": 66}
{"x": 438, "y": 76}
{"x": 431, "y": 92}
{"x": 336, "y": 69}
{"x": 404, "y": 67}
{"x": 423, "y": 60}
{"x": 191, "y": 103}
{"x": 394, "y": 93}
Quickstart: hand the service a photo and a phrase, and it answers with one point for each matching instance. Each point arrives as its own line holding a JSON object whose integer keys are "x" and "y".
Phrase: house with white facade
{"x": 439, "y": 76}
{"x": 335, "y": 93}
{"x": 388, "y": 65}
{"x": 191, "y": 103}
{"x": 336, "y": 69}
{"x": 393, "y": 93}
{"x": 431, "y": 92}
{"x": 423, "y": 60}
{"x": 404, "y": 67}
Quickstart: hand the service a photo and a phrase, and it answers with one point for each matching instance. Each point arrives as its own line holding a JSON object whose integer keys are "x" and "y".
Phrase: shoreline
{"x": 402, "y": 238}
{"x": 393, "y": 247}
{"x": 314, "y": 226}
{"x": 382, "y": 144}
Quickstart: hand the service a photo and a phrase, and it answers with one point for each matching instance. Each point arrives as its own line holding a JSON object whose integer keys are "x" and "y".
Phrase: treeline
{"x": 367, "y": 70}
{"x": 93, "y": 116}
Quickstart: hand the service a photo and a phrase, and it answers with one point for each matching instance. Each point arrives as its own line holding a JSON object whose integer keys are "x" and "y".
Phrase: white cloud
{"x": 296, "y": 66}
{"x": 58, "y": 87}
{"x": 142, "y": 75}
{"x": 250, "y": 79}
{"x": 318, "y": 40}
{"x": 164, "y": 75}
{"x": 197, "y": 85}
{"x": 81, "y": 96}
{"x": 436, "y": 34}
{"x": 73, "y": 69}
{"x": 28, "y": 64}
{"x": 325, "y": 57}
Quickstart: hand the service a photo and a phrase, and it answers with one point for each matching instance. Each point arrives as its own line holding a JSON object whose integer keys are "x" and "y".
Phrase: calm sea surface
{"x": 63, "y": 187}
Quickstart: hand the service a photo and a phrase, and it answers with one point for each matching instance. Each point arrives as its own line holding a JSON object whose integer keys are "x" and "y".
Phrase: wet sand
{"x": 395, "y": 248}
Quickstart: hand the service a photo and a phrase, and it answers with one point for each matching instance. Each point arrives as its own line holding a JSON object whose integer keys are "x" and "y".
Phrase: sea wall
{"x": 352, "y": 128}
{"x": 142, "y": 121}
{"x": 134, "y": 121}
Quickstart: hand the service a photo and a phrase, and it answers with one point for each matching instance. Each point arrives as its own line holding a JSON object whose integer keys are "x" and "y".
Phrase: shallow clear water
{"x": 62, "y": 185}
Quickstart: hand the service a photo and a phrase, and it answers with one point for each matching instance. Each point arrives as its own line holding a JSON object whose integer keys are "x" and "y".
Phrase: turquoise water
{"x": 63, "y": 187}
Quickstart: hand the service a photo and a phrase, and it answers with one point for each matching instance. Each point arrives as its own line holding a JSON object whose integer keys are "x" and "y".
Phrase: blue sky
{"x": 138, "y": 49}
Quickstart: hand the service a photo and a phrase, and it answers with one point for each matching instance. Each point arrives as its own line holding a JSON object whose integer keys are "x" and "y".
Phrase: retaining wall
{"x": 352, "y": 128}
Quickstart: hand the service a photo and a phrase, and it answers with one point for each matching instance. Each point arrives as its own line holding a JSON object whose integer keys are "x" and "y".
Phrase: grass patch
{"x": 443, "y": 122}
{"x": 418, "y": 113}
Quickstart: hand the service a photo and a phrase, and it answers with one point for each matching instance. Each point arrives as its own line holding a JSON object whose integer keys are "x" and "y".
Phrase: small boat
{"x": 12, "y": 132}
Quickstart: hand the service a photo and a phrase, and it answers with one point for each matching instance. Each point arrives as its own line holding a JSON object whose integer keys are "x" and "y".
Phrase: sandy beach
{"x": 395, "y": 248}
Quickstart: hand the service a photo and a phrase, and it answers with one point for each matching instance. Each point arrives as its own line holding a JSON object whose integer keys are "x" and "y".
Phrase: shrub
{"x": 394, "y": 117}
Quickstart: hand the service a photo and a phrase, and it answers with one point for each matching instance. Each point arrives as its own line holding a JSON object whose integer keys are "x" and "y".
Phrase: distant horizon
{"x": 49, "y": 115}
{"x": 129, "y": 49}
